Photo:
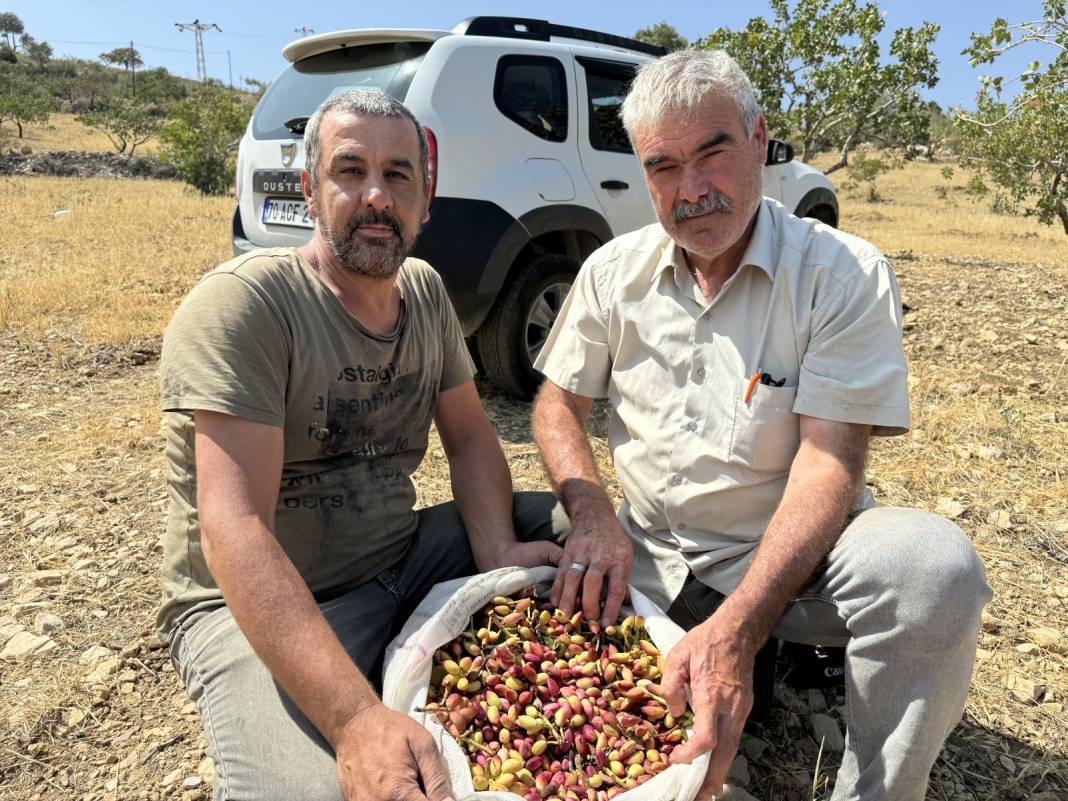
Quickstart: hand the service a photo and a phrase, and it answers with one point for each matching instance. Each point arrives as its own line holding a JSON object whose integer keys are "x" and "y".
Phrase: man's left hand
{"x": 719, "y": 673}
{"x": 521, "y": 554}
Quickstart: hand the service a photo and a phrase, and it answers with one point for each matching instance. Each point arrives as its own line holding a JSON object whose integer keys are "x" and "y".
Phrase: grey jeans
{"x": 902, "y": 590}
{"x": 262, "y": 744}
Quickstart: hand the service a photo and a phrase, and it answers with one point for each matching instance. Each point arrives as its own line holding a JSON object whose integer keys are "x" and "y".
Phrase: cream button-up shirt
{"x": 702, "y": 468}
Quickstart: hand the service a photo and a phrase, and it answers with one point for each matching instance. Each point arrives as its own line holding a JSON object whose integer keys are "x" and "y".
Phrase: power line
{"x": 138, "y": 44}
{"x": 198, "y": 29}
{"x": 259, "y": 35}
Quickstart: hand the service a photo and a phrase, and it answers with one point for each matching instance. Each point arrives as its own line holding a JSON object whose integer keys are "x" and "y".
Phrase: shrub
{"x": 201, "y": 138}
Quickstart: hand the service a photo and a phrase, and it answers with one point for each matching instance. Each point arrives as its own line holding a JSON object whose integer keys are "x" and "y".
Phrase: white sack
{"x": 444, "y": 614}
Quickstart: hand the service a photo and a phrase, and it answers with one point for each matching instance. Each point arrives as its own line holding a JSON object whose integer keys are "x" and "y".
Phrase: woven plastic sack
{"x": 444, "y": 614}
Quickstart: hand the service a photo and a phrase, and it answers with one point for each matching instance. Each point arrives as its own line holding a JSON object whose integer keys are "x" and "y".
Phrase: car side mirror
{"x": 779, "y": 152}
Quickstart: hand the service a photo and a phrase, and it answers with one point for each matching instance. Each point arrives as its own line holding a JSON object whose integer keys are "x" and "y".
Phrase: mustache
{"x": 374, "y": 217}
{"x": 712, "y": 203}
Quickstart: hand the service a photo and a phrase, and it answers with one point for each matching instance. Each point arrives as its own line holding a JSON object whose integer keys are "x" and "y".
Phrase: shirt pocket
{"x": 766, "y": 432}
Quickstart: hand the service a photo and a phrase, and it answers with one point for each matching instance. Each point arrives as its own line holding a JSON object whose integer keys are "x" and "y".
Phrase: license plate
{"x": 283, "y": 211}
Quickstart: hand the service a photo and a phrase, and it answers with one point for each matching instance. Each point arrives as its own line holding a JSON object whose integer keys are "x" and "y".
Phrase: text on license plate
{"x": 282, "y": 211}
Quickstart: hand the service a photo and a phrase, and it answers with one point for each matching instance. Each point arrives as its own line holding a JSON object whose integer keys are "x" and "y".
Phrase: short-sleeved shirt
{"x": 702, "y": 468}
{"x": 263, "y": 338}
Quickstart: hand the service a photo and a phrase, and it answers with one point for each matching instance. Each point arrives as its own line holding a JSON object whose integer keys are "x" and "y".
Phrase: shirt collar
{"x": 760, "y": 252}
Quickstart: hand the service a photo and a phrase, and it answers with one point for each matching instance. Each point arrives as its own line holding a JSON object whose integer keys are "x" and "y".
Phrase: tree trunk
{"x": 1062, "y": 212}
{"x": 19, "y": 124}
{"x": 843, "y": 158}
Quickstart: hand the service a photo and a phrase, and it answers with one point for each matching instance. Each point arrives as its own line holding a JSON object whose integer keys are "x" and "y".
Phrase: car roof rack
{"x": 541, "y": 30}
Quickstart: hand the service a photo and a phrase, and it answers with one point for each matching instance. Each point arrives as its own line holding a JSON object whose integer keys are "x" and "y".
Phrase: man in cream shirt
{"x": 748, "y": 357}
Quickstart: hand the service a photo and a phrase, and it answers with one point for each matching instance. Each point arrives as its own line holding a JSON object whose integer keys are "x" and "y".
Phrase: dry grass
{"x": 915, "y": 218}
{"x": 64, "y": 132}
{"x": 83, "y": 301}
{"x": 113, "y": 269}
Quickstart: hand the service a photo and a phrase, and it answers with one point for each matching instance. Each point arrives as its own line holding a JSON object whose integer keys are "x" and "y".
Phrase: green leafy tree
{"x": 22, "y": 100}
{"x": 128, "y": 118}
{"x": 256, "y": 86}
{"x": 202, "y": 136}
{"x": 79, "y": 83}
{"x": 92, "y": 82}
{"x": 126, "y": 57}
{"x": 10, "y": 26}
{"x": 819, "y": 74}
{"x": 865, "y": 170}
{"x": 662, "y": 34}
{"x": 1022, "y": 145}
{"x": 945, "y": 139}
{"x": 40, "y": 53}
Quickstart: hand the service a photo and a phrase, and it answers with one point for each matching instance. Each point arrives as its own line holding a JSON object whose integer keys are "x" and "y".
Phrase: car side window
{"x": 607, "y": 84}
{"x": 531, "y": 91}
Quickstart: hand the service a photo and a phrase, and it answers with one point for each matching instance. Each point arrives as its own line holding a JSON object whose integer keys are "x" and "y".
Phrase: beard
{"x": 374, "y": 258}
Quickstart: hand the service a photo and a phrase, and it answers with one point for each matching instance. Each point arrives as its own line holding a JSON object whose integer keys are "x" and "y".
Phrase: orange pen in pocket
{"x": 752, "y": 383}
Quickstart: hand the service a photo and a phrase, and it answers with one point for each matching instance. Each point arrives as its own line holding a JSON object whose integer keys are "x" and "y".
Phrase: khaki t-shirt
{"x": 264, "y": 339}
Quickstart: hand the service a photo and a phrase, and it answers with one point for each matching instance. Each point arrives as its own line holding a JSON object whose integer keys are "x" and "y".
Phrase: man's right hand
{"x": 601, "y": 545}
{"x": 383, "y": 755}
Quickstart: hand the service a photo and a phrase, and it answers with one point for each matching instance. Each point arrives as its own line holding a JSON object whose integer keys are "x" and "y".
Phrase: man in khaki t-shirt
{"x": 747, "y": 357}
{"x": 299, "y": 388}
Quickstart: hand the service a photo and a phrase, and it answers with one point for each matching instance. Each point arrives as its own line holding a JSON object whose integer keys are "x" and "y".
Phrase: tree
{"x": 818, "y": 72}
{"x": 127, "y": 57}
{"x": 1022, "y": 145}
{"x": 40, "y": 53}
{"x": 944, "y": 136}
{"x": 79, "y": 83}
{"x": 662, "y": 34}
{"x": 202, "y": 136}
{"x": 22, "y": 100}
{"x": 129, "y": 120}
{"x": 256, "y": 86}
{"x": 866, "y": 170}
{"x": 10, "y": 26}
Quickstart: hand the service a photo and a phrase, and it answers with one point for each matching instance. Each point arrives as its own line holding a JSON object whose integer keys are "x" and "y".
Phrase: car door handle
{"x": 614, "y": 185}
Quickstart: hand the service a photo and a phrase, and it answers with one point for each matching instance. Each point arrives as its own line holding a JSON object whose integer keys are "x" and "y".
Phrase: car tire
{"x": 510, "y": 338}
{"x": 819, "y": 204}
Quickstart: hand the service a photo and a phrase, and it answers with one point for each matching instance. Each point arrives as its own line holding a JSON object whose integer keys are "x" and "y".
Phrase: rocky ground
{"x": 75, "y": 163}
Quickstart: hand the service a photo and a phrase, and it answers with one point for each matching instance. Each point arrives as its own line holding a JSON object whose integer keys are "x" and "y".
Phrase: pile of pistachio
{"x": 548, "y": 706}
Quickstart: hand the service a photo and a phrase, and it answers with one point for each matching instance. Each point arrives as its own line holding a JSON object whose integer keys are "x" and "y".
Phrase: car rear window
{"x": 301, "y": 87}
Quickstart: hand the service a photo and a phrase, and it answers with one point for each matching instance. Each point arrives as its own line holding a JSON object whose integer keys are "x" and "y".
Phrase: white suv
{"x": 531, "y": 168}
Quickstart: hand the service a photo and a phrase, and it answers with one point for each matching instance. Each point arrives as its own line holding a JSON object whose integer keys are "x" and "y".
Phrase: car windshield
{"x": 301, "y": 87}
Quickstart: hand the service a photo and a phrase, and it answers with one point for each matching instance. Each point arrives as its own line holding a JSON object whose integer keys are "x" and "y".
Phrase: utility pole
{"x": 198, "y": 29}
{"x": 229, "y": 68}
{"x": 303, "y": 31}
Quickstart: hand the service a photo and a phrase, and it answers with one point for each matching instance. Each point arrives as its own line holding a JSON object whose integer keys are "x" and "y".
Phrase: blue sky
{"x": 254, "y": 33}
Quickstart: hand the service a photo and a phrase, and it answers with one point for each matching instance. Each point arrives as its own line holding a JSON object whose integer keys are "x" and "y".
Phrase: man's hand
{"x": 520, "y": 554}
{"x": 599, "y": 544}
{"x": 720, "y": 675}
{"x": 382, "y": 754}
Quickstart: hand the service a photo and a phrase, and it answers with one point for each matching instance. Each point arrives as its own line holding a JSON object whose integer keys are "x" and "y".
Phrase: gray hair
{"x": 680, "y": 81}
{"x": 365, "y": 103}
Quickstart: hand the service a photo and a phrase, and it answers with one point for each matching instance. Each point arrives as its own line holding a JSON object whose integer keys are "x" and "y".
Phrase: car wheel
{"x": 819, "y": 204}
{"x": 513, "y": 334}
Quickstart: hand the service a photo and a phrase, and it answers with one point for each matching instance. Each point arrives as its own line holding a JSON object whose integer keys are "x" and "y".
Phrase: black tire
{"x": 825, "y": 214}
{"x": 510, "y": 338}
{"x": 819, "y": 204}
